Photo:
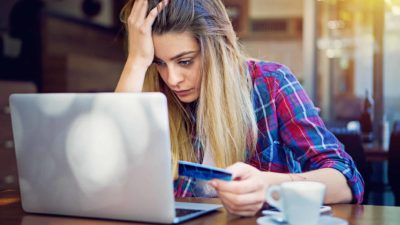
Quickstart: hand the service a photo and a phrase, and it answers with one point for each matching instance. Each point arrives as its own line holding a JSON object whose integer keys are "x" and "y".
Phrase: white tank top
{"x": 202, "y": 188}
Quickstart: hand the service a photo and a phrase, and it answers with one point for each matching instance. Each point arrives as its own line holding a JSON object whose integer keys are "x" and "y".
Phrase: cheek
{"x": 199, "y": 77}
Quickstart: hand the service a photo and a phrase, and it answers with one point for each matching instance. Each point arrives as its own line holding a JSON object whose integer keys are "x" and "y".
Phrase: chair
{"x": 394, "y": 162}
{"x": 352, "y": 142}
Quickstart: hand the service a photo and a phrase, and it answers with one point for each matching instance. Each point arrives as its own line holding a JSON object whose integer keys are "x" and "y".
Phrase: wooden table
{"x": 12, "y": 214}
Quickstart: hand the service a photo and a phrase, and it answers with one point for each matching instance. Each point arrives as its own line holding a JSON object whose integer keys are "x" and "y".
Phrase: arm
{"x": 246, "y": 194}
{"x": 314, "y": 149}
{"x": 132, "y": 77}
{"x": 337, "y": 190}
{"x": 141, "y": 48}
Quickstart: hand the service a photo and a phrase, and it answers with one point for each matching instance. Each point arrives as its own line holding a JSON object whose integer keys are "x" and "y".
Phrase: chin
{"x": 188, "y": 99}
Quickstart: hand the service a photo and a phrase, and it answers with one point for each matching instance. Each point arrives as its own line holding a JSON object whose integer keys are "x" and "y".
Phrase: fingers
{"x": 235, "y": 187}
{"x": 142, "y": 10}
{"x": 248, "y": 179}
{"x": 139, "y": 10}
{"x": 243, "y": 200}
{"x": 240, "y": 209}
{"x": 240, "y": 170}
{"x": 243, "y": 205}
{"x": 138, "y": 5}
{"x": 245, "y": 195}
{"x": 155, "y": 11}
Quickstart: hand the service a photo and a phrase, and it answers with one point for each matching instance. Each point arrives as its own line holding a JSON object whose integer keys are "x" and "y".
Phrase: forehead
{"x": 172, "y": 43}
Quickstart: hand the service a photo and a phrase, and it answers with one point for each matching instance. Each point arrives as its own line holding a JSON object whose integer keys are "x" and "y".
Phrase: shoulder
{"x": 268, "y": 70}
{"x": 272, "y": 74}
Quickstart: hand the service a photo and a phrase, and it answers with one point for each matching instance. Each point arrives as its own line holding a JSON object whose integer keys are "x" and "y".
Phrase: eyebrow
{"x": 179, "y": 55}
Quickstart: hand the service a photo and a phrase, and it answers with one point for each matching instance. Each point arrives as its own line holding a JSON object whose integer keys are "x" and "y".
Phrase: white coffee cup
{"x": 299, "y": 201}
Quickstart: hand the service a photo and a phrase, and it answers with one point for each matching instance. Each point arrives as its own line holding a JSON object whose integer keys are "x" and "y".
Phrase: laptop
{"x": 101, "y": 155}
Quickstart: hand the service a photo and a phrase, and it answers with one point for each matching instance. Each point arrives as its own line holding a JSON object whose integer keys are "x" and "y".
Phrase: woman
{"x": 252, "y": 117}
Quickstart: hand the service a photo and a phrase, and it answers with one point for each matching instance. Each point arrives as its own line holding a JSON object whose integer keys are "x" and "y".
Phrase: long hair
{"x": 225, "y": 120}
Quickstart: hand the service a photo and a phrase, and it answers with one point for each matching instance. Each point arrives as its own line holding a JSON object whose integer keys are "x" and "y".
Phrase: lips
{"x": 183, "y": 92}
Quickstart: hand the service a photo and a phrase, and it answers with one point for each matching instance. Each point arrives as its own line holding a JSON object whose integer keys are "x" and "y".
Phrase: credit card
{"x": 199, "y": 171}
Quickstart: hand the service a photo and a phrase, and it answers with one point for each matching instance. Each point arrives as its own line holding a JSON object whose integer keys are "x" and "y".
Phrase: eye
{"x": 185, "y": 62}
{"x": 159, "y": 63}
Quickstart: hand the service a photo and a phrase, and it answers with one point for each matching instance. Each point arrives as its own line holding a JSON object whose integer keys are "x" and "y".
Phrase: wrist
{"x": 296, "y": 177}
{"x": 137, "y": 63}
{"x": 277, "y": 178}
{"x": 132, "y": 77}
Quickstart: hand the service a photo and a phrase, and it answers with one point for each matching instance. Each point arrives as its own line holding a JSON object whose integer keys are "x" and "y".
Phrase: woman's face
{"x": 177, "y": 58}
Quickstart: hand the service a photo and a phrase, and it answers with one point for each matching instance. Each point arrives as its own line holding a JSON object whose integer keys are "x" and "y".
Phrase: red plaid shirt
{"x": 292, "y": 137}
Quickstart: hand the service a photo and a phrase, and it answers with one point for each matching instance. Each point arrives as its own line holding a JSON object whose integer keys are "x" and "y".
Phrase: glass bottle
{"x": 366, "y": 119}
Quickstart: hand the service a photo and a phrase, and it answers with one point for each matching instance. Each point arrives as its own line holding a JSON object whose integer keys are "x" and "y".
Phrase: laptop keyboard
{"x": 184, "y": 212}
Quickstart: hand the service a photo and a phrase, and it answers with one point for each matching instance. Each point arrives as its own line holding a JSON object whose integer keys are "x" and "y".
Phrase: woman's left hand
{"x": 245, "y": 194}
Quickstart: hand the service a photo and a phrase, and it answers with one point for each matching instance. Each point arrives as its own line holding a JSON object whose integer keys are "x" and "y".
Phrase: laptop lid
{"x": 102, "y": 155}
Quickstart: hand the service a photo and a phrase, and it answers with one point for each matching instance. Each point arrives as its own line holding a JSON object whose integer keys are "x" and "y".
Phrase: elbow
{"x": 339, "y": 195}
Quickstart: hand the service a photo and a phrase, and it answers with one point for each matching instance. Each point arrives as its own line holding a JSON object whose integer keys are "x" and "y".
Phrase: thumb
{"x": 239, "y": 170}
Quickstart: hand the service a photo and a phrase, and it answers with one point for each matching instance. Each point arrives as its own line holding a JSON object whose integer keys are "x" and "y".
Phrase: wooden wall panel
{"x": 78, "y": 57}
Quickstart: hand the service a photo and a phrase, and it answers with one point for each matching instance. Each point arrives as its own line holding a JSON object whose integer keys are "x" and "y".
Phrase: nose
{"x": 175, "y": 77}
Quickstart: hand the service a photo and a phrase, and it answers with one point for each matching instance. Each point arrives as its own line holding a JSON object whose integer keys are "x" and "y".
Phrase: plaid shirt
{"x": 292, "y": 137}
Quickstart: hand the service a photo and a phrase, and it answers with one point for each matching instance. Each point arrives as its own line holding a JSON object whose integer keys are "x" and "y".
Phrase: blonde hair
{"x": 225, "y": 120}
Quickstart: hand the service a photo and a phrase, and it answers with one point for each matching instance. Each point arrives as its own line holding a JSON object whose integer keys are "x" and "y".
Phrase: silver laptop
{"x": 102, "y": 155}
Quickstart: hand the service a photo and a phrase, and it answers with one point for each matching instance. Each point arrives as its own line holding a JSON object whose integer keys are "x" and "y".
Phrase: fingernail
{"x": 213, "y": 183}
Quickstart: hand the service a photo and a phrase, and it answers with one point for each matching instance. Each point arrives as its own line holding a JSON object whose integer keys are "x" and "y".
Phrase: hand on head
{"x": 139, "y": 24}
{"x": 246, "y": 193}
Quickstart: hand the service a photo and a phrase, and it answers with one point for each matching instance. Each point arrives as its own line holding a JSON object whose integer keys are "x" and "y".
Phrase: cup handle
{"x": 270, "y": 200}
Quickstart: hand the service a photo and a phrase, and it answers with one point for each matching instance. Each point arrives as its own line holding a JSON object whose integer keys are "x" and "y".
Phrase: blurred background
{"x": 346, "y": 53}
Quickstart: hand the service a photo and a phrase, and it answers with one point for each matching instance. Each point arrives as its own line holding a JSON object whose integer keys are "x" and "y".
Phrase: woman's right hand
{"x": 141, "y": 48}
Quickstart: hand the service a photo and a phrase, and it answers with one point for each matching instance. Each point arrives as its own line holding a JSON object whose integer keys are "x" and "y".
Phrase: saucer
{"x": 323, "y": 220}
